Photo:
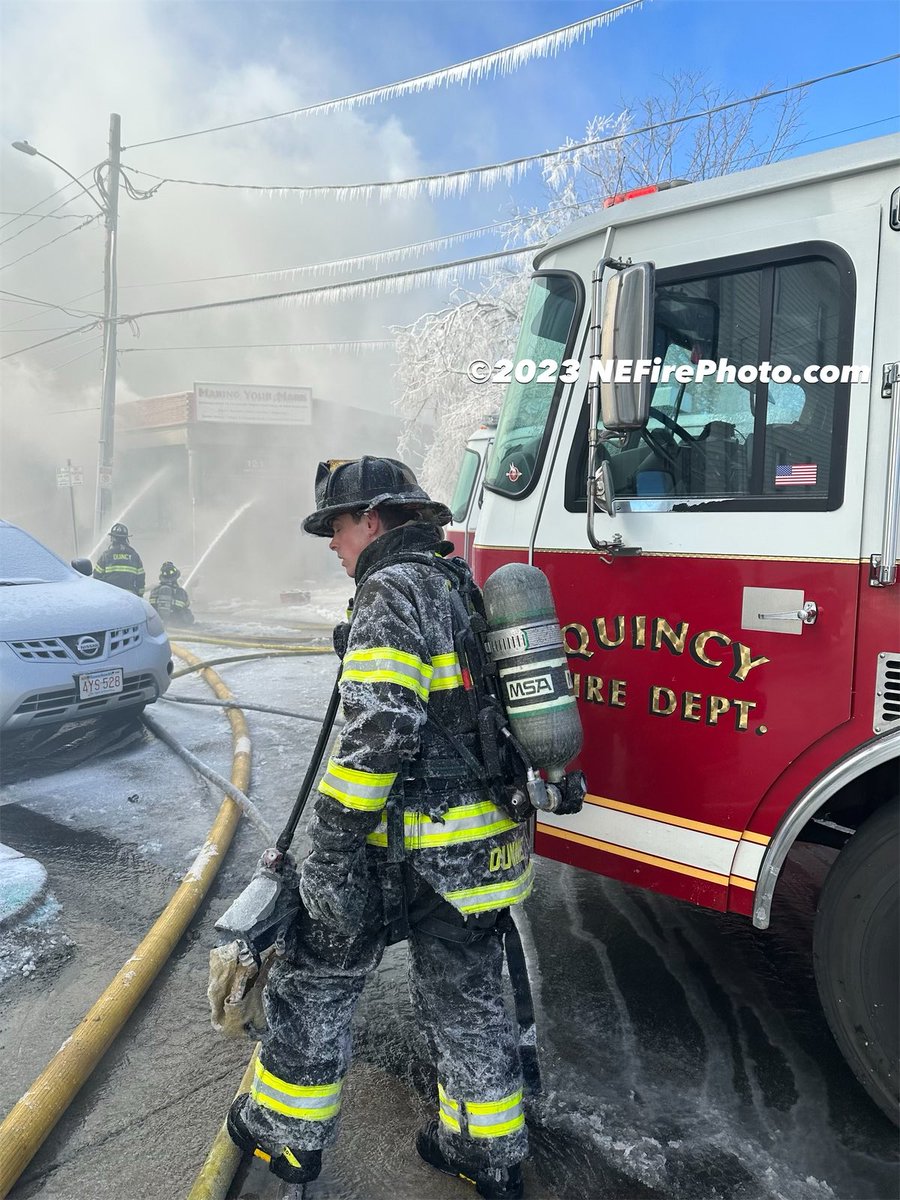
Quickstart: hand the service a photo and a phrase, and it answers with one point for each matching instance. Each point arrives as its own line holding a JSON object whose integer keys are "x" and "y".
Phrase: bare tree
{"x": 646, "y": 143}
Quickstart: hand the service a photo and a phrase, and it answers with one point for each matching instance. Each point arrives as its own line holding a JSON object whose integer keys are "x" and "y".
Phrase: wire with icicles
{"x": 473, "y": 70}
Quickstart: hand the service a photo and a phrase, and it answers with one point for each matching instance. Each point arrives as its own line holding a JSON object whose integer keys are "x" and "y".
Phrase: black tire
{"x": 856, "y": 951}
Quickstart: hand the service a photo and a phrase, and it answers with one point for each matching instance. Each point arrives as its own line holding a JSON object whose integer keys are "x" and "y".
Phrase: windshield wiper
{"x": 16, "y": 582}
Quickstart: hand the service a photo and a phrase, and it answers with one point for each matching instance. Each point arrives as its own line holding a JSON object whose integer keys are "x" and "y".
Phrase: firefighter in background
{"x": 120, "y": 564}
{"x": 404, "y": 845}
{"x": 169, "y": 599}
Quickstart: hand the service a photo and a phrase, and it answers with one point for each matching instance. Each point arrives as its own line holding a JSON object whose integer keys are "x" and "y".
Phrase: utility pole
{"x": 106, "y": 449}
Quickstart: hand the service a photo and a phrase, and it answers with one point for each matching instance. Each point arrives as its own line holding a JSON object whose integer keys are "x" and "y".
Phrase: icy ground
{"x": 684, "y": 1053}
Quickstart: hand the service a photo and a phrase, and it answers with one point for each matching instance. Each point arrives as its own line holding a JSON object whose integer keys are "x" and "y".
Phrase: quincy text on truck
{"x": 723, "y": 554}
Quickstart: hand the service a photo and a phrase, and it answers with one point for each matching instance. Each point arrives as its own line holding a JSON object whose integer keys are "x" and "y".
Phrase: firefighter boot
{"x": 499, "y": 1183}
{"x": 293, "y": 1166}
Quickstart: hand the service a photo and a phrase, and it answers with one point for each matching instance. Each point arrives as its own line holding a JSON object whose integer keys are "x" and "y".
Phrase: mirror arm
{"x": 594, "y": 393}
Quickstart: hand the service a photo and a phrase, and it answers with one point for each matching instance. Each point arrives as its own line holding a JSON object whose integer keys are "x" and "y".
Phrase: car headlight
{"x": 154, "y": 625}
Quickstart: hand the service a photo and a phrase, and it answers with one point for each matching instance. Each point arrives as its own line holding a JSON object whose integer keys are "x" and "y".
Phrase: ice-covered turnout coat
{"x": 172, "y": 603}
{"x": 120, "y": 564}
{"x": 401, "y": 678}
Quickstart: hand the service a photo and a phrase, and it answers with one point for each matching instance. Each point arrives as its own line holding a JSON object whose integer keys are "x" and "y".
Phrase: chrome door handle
{"x": 807, "y": 614}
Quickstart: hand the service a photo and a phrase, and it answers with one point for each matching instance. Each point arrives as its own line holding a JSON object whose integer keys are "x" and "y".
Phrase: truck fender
{"x": 861, "y": 760}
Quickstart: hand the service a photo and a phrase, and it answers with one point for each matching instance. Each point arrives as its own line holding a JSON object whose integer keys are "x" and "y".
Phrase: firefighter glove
{"x": 334, "y": 887}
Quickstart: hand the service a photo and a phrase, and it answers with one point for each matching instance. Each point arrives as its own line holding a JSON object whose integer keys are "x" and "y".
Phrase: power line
{"x": 495, "y": 63}
{"x": 58, "y": 238}
{"x": 47, "y": 341}
{"x": 375, "y": 257}
{"x": 374, "y": 285}
{"x": 373, "y": 344}
{"x": 52, "y": 212}
{"x": 451, "y": 183}
{"x": 70, "y": 312}
{"x": 47, "y": 216}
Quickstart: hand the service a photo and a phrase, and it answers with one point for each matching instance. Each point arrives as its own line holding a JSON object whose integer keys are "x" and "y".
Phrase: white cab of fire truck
{"x": 468, "y": 495}
{"x": 727, "y": 580}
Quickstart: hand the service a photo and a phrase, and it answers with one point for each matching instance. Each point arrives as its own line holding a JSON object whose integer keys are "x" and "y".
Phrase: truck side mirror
{"x": 627, "y": 335}
{"x": 83, "y": 566}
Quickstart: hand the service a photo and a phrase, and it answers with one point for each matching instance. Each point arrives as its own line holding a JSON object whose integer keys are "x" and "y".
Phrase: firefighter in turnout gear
{"x": 169, "y": 599}
{"x": 406, "y": 844}
{"x": 120, "y": 564}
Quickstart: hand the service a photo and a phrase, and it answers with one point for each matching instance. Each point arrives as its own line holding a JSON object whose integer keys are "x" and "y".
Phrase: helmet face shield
{"x": 168, "y": 571}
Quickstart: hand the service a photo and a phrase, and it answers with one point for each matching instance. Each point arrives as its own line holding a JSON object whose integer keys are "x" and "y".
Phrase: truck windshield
{"x": 547, "y": 329}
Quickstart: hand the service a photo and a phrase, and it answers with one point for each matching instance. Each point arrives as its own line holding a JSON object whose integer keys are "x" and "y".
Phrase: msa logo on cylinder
{"x": 529, "y": 689}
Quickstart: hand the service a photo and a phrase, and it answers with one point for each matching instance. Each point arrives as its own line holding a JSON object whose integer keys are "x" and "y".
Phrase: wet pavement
{"x": 684, "y": 1053}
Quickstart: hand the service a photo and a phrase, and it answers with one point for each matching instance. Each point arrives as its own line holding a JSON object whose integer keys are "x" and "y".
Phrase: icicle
{"x": 474, "y": 70}
{"x": 377, "y": 285}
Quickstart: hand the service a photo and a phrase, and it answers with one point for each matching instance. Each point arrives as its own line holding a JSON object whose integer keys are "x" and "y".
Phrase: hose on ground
{"x": 197, "y": 665}
{"x": 263, "y": 708}
{"x": 33, "y": 1117}
{"x": 247, "y": 807}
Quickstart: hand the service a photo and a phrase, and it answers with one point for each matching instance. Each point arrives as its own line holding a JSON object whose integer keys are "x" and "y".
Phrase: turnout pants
{"x": 457, "y": 994}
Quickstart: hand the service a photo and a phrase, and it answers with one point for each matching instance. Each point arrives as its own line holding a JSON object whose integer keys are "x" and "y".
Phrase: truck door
{"x": 698, "y": 678}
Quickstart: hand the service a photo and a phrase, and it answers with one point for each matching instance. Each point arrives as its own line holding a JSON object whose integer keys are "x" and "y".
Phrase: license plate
{"x": 100, "y": 683}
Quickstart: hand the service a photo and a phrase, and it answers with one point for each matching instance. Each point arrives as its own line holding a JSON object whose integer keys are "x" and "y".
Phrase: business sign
{"x": 252, "y": 404}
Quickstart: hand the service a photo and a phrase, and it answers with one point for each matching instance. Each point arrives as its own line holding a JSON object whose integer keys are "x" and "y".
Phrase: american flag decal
{"x": 797, "y": 475}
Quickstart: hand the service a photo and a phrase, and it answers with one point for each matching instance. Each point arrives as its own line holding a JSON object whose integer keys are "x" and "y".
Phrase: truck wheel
{"x": 856, "y": 951}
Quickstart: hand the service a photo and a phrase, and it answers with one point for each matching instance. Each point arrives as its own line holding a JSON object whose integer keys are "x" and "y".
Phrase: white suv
{"x": 71, "y": 646}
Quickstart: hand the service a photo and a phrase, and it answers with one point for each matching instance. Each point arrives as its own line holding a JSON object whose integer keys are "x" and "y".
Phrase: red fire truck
{"x": 722, "y": 549}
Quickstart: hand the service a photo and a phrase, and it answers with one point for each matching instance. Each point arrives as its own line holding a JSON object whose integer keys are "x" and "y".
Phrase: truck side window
{"x": 728, "y": 437}
{"x": 465, "y": 483}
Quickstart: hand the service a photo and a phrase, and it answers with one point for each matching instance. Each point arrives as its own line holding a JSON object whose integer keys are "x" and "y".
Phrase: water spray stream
{"x": 129, "y": 506}
{"x": 212, "y": 545}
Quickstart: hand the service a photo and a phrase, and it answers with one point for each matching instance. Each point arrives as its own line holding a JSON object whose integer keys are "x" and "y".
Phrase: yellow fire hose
{"x": 223, "y": 1158}
{"x": 33, "y": 1117}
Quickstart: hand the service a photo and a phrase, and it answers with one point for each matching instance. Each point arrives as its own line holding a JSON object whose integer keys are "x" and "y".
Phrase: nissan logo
{"x": 87, "y": 646}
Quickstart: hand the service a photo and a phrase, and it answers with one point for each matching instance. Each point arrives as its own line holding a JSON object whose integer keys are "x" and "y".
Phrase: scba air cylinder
{"x": 525, "y": 643}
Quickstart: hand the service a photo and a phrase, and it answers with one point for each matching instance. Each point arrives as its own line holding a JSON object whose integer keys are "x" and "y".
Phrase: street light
{"x": 110, "y": 210}
{"x": 27, "y": 148}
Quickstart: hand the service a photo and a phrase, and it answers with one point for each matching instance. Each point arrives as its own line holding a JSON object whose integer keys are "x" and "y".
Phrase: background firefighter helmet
{"x": 169, "y": 571}
{"x": 361, "y": 484}
{"x": 119, "y": 532}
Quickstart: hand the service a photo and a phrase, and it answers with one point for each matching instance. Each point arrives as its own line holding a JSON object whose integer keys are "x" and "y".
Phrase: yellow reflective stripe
{"x": 489, "y": 1131}
{"x": 450, "y": 1122}
{"x": 295, "y": 1162}
{"x": 494, "y": 1106}
{"x": 493, "y": 895}
{"x": 388, "y": 652}
{"x": 366, "y": 791}
{"x": 379, "y": 676}
{"x": 481, "y": 1115}
{"x": 461, "y": 823}
{"x": 385, "y": 664}
{"x": 293, "y": 1110}
{"x": 122, "y": 567}
{"x": 447, "y": 673}
{"x": 297, "y": 1089}
{"x": 306, "y": 1102}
